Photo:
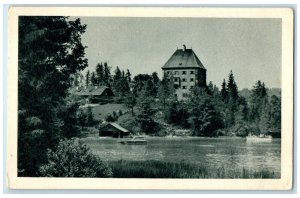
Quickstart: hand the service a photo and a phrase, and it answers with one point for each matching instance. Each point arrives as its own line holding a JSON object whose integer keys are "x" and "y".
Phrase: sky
{"x": 251, "y": 48}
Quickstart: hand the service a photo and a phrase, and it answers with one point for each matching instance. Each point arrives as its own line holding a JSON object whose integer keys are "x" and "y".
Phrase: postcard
{"x": 166, "y": 98}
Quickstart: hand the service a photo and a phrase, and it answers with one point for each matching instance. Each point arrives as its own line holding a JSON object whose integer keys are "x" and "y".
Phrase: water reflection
{"x": 227, "y": 153}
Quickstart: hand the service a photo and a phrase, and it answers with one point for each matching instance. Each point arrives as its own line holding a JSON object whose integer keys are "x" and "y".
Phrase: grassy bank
{"x": 157, "y": 169}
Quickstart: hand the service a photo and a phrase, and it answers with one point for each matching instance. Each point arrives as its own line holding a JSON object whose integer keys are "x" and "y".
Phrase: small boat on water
{"x": 260, "y": 138}
{"x": 135, "y": 140}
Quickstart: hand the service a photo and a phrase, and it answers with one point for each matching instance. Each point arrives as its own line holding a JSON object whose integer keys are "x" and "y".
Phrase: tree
{"x": 107, "y": 75}
{"x": 139, "y": 82}
{"x": 100, "y": 73}
{"x": 210, "y": 88}
{"x": 70, "y": 122}
{"x": 90, "y": 117}
{"x": 81, "y": 117}
{"x": 177, "y": 114}
{"x": 145, "y": 113}
{"x": 259, "y": 99}
{"x": 118, "y": 75}
{"x": 130, "y": 102}
{"x": 93, "y": 79}
{"x": 275, "y": 113}
{"x": 50, "y": 52}
{"x": 231, "y": 100}
{"x": 128, "y": 76}
{"x": 166, "y": 92}
{"x": 243, "y": 111}
{"x": 224, "y": 92}
{"x": 204, "y": 118}
{"x": 232, "y": 87}
{"x": 149, "y": 89}
{"x": 155, "y": 81}
{"x": 118, "y": 82}
{"x": 72, "y": 158}
{"x": 87, "y": 78}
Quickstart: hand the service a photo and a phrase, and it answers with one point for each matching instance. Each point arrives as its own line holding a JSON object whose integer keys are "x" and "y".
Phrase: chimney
{"x": 184, "y": 48}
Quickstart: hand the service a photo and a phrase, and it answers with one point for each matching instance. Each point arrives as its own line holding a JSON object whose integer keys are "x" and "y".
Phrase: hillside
{"x": 101, "y": 111}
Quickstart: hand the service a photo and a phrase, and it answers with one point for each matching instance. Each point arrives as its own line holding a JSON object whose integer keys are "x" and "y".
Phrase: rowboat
{"x": 135, "y": 140}
{"x": 260, "y": 138}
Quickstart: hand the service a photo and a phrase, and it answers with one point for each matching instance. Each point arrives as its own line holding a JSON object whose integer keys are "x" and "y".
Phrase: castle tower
{"x": 186, "y": 70}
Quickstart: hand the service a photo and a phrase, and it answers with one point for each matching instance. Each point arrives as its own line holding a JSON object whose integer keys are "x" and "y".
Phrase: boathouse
{"x": 112, "y": 129}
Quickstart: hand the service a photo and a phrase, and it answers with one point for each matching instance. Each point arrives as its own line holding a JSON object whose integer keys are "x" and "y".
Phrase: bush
{"x": 111, "y": 118}
{"x": 72, "y": 158}
{"x": 129, "y": 122}
{"x": 90, "y": 117}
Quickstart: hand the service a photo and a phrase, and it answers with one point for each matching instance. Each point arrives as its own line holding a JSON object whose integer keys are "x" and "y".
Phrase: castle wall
{"x": 185, "y": 79}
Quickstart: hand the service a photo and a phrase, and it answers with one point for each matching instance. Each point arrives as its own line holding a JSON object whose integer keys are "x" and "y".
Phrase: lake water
{"x": 228, "y": 153}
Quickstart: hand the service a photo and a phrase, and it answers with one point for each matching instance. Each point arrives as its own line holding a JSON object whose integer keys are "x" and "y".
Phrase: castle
{"x": 185, "y": 70}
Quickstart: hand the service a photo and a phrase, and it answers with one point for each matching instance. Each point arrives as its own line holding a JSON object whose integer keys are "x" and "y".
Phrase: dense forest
{"x": 51, "y": 60}
{"x": 207, "y": 111}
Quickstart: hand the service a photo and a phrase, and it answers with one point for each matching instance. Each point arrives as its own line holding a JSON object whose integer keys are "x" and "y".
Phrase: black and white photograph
{"x": 134, "y": 97}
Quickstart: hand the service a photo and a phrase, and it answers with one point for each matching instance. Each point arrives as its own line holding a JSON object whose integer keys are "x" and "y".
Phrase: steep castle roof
{"x": 183, "y": 58}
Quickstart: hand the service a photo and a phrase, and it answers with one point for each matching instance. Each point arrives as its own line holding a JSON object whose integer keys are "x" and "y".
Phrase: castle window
{"x": 168, "y": 72}
{"x": 192, "y": 79}
{"x": 183, "y": 87}
{"x": 192, "y": 87}
{"x": 192, "y": 72}
{"x": 183, "y": 80}
{"x": 176, "y": 72}
{"x": 175, "y": 79}
{"x": 183, "y": 72}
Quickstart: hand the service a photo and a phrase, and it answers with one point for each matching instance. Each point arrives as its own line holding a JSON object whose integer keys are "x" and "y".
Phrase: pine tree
{"x": 210, "y": 88}
{"x": 118, "y": 75}
{"x": 259, "y": 99}
{"x": 224, "y": 92}
{"x": 275, "y": 113}
{"x": 107, "y": 75}
{"x": 231, "y": 99}
{"x": 49, "y": 53}
{"x": 128, "y": 76}
{"x": 232, "y": 88}
{"x": 93, "y": 79}
{"x": 100, "y": 73}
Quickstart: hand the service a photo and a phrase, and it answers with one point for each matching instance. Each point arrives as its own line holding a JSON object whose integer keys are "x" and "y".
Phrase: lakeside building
{"x": 93, "y": 94}
{"x": 112, "y": 129}
{"x": 185, "y": 70}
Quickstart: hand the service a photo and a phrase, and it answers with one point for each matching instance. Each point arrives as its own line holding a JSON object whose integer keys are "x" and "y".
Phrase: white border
{"x": 284, "y": 183}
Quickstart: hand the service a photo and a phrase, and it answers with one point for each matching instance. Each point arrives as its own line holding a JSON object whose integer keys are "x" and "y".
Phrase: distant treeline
{"x": 206, "y": 111}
